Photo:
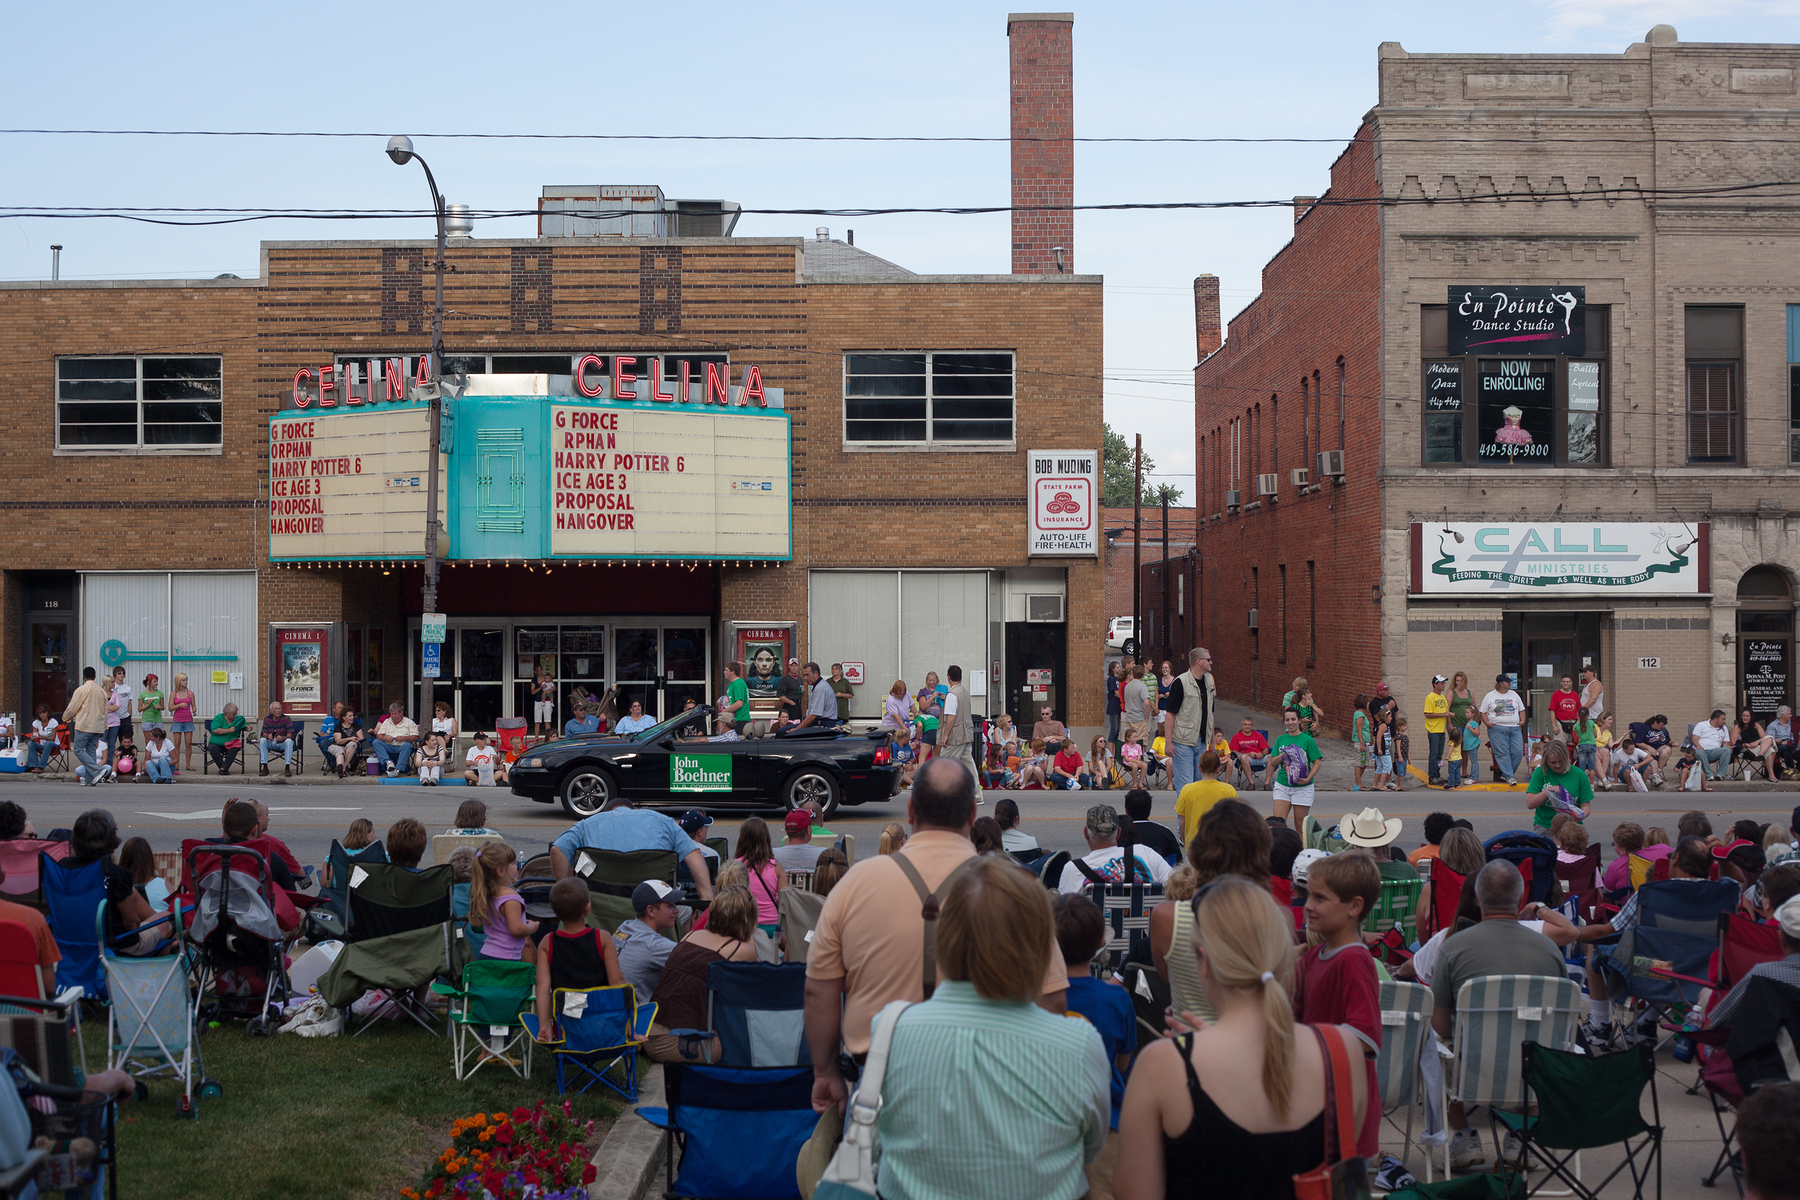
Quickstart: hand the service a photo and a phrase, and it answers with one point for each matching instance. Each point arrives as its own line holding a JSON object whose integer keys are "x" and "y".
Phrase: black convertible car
{"x": 673, "y": 764}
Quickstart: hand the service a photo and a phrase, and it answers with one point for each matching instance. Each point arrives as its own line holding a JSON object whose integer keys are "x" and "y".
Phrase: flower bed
{"x": 535, "y": 1153}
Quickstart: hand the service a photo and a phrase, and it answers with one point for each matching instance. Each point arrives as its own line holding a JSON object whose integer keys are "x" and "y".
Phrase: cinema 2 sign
{"x": 1518, "y": 320}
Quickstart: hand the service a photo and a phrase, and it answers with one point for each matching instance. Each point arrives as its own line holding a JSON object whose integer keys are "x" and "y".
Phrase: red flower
{"x": 589, "y": 1173}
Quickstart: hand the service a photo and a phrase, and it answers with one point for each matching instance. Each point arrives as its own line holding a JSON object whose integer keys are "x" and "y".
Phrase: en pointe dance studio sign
{"x": 1533, "y": 320}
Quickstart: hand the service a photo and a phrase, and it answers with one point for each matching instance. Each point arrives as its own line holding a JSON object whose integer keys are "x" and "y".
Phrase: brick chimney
{"x": 1043, "y": 171}
{"x": 1206, "y": 315}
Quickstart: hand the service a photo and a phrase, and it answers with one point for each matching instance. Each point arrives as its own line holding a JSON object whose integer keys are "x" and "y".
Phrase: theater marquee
{"x": 534, "y": 477}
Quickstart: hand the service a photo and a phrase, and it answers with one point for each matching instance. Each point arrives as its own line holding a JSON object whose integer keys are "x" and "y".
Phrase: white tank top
{"x": 1599, "y": 704}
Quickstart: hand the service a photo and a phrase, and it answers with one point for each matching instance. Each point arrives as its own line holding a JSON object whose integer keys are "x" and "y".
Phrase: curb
{"x": 628, "y": 1159}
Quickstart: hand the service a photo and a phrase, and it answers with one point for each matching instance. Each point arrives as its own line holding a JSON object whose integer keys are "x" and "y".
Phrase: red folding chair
{"x": 512, "y": 741}
{"x": 19, "y": 859}
{"x": 19, "y": 975}
{"x": 1446, "y": 892}
{"x": 1579, "y": 876}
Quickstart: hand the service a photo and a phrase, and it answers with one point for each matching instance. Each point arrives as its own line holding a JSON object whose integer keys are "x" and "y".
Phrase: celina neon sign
{"x": 377, "y": 381}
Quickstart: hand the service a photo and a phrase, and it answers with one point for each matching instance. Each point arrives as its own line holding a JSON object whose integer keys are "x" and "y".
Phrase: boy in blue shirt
{"x": 1081, "y": 932}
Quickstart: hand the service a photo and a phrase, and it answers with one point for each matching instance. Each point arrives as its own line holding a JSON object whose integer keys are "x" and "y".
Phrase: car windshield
{"x": 672, "y": 725}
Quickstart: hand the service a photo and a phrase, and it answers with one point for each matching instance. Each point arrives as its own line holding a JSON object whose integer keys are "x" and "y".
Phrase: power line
{"x": 178, "y": 215}
{"x": 927, "y": 139}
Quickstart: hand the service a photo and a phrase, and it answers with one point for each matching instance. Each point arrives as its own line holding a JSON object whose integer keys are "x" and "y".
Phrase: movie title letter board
{"x": 632, "y": 482}
{"x": 1064, "y": 500}
{"x": 348, "y": 485}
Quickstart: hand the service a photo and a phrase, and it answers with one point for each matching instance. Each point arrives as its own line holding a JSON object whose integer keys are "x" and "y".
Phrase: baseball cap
{"x": 1303, "y": 863}
{"x": 1503, "y": 677}
{"x": 798, "y": 821}
{"x": 651, "y": 891}
{"x": 1381, "y": 685}
{"x": 1788, "y": 917}
{"x": 694, "y": 820}
{"x": 1103, "y": 820}
{"x": 1439, "y": 679}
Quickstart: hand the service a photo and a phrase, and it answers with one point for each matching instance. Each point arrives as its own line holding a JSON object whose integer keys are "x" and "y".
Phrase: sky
{"x": 1297, "y": 70}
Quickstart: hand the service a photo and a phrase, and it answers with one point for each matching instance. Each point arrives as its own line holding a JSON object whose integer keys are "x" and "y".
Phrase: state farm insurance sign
{"x": 1065, "y": 502}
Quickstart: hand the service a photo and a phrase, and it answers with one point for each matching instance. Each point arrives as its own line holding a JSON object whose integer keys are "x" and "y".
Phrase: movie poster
{"x": 764, "y": 651}
{"x": 301, "y": 662}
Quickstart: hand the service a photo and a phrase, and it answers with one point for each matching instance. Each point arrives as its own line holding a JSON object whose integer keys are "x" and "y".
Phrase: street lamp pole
{"x": 400, "y": 149}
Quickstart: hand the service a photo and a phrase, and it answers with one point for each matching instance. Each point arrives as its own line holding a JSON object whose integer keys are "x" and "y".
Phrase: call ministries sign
{"x": 700, "y": 772}
{"x": 1564, "y": 558}
{"x": 1064, "y": 499}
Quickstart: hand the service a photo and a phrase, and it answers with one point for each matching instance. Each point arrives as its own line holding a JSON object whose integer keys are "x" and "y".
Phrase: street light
{"x": 400, "y": 149}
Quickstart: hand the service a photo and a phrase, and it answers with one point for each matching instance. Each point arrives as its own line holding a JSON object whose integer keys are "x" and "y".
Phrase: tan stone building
{"x": 1576, "y": 276}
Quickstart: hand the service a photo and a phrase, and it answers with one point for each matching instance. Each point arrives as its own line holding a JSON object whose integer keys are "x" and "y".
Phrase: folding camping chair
{"x": 401, "y": 937}
{"x": 1647, "y": 870}
{"x": 612, "y": 875}
{"x": 758, "y": 1013}
{"x": 1495, "y": 1016}
{"x": 799, "y": 914}
{"x": 1533, "y": 853}
{"x": 1446, "y": 893}
{"x": 1678, "y": 922}
{"x": 739, "y": 1129}
{"x": 58, "y": 1109}
{"x": 1127, "y": 909}
{"x": 342, "y": 864}
{"x": 72, "y": 895}
{"x": 484, "y": 1016}
{"x": 1405, "y": 1029}
{"x": 596, "y": 1029}
{"x": 1398, "y": 908}
{"x": 1585, "y": 1102}
{"x": 510, "y": 734}
{"x": 443, "y": 845}
{"x": 152, "y": 1026}
{"x": 19, "y": 860}
{"x": 64, "y": 758}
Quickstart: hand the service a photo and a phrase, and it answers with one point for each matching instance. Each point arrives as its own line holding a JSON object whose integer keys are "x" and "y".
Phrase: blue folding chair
{"x": 336, "y": 895}
{"x": 1678, "y": 921}
{"x": 72, "y": 898}
{"x": 597, "y": 1028}
{"x": 740, "y": 1129}
{"x": 1533, "y": 852}
{"x": 758, "y": 1013}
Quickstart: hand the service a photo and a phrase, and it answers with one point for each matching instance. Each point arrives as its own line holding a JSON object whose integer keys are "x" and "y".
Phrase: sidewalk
{"x": 1337, "y": 772}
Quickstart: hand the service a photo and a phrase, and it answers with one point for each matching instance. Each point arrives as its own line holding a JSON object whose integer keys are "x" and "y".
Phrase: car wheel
{"x": 586, "y": 791}
{"x": 814, "y": 785}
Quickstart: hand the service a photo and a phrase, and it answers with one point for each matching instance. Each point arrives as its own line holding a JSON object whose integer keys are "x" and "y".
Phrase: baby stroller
{"x": 237, "y": 936}
{"x": 71, "y": 1130}
{"x": 151, "y": 1023}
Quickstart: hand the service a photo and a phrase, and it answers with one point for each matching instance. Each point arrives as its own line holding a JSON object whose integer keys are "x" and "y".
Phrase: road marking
{"x": 207, "y": 814}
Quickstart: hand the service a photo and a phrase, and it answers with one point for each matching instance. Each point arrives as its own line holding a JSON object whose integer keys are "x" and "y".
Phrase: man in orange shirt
{"x": 869, "y": 946}
{"x": 1437, "y": 824}
{"x": 48, "y": 955}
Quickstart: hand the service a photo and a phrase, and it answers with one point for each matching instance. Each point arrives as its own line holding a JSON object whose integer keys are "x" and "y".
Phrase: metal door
{"x": 480, "y": 679}
{"x": 1558, "y": 655}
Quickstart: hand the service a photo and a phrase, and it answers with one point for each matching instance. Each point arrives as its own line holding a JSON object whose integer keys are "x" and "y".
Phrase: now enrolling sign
{"x": 700, "y": 772}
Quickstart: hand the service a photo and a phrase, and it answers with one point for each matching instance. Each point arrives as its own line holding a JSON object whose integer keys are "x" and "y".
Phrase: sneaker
{"x": 1594, "y": 1037}
{"x": 1512, "y": 1149}
{"x": 392, "y": 769}
{"x": 1465, "y": 1150}
{"x": 1392, "y": 1175}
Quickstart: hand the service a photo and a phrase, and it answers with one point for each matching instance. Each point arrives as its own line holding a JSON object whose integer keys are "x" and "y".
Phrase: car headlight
{"x": 534, "y": 762}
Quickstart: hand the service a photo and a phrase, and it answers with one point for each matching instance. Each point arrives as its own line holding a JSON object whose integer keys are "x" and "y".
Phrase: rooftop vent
{"x": 635, "y": 211}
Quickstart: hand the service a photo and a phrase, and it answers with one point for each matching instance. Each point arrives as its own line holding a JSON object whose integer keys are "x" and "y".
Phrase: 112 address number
{"x": 1649, "y": 664}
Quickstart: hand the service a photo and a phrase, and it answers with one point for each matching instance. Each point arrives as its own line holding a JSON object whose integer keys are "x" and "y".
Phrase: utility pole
{"x": 1166, "y": 560}
{"x": 1137, "y": 544}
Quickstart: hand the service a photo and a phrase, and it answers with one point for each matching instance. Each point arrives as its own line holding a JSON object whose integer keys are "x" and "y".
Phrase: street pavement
{"x": 307, "y": 813}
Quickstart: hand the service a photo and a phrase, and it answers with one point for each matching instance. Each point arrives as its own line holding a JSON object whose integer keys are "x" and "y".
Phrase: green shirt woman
{"x": 150, "y": 703}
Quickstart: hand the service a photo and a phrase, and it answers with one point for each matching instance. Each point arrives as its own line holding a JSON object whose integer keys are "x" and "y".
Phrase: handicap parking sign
{"x": 428, "y": 667}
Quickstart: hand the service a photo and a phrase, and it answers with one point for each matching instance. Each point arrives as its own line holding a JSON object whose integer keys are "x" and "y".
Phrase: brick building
{"x": 232, "y": 485}
{"x": 1548, "y": 321}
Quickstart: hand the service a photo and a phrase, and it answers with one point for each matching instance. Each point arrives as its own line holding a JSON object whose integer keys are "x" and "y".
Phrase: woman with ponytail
{"x": 1236, "y": 1109}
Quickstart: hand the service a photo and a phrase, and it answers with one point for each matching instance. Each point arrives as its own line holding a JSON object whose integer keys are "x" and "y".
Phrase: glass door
{"x": 684, "y": 667}
{"x": 583, "y": 665}
{"x": 637, "y": 650}
{"x": 480, "y": 678}
{"x": 49, "y": 668}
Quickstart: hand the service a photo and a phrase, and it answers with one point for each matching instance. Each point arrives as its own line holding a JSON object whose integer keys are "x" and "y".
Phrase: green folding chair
{"x": 484, "y": 1016}
{"x": 1495, "y": 1016}
{"x": 1312, "y": 833}
{"x": 1588, "y": 1101}
{"x": 1398, "y": 908}
{"x": 612, "y": 875}
{"x": 1405, "y": 1026}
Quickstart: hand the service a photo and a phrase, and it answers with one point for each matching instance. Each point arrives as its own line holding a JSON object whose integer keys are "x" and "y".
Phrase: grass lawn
{"x": 326, "y": 1118}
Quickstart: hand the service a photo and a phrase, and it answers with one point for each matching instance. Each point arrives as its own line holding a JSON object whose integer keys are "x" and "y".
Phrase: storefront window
{"x": 1513, "y": 411}
{"x": 113, "y": 404}
{"x": 928, "y": 397}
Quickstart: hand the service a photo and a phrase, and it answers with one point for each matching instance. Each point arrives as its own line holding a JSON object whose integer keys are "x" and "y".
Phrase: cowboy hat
{"x": 1369, "y": 828}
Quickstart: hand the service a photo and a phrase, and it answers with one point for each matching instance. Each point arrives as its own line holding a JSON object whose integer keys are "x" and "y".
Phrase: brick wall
{"x": 1317, "y": 310}
{"x": 1043, "y": 156}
